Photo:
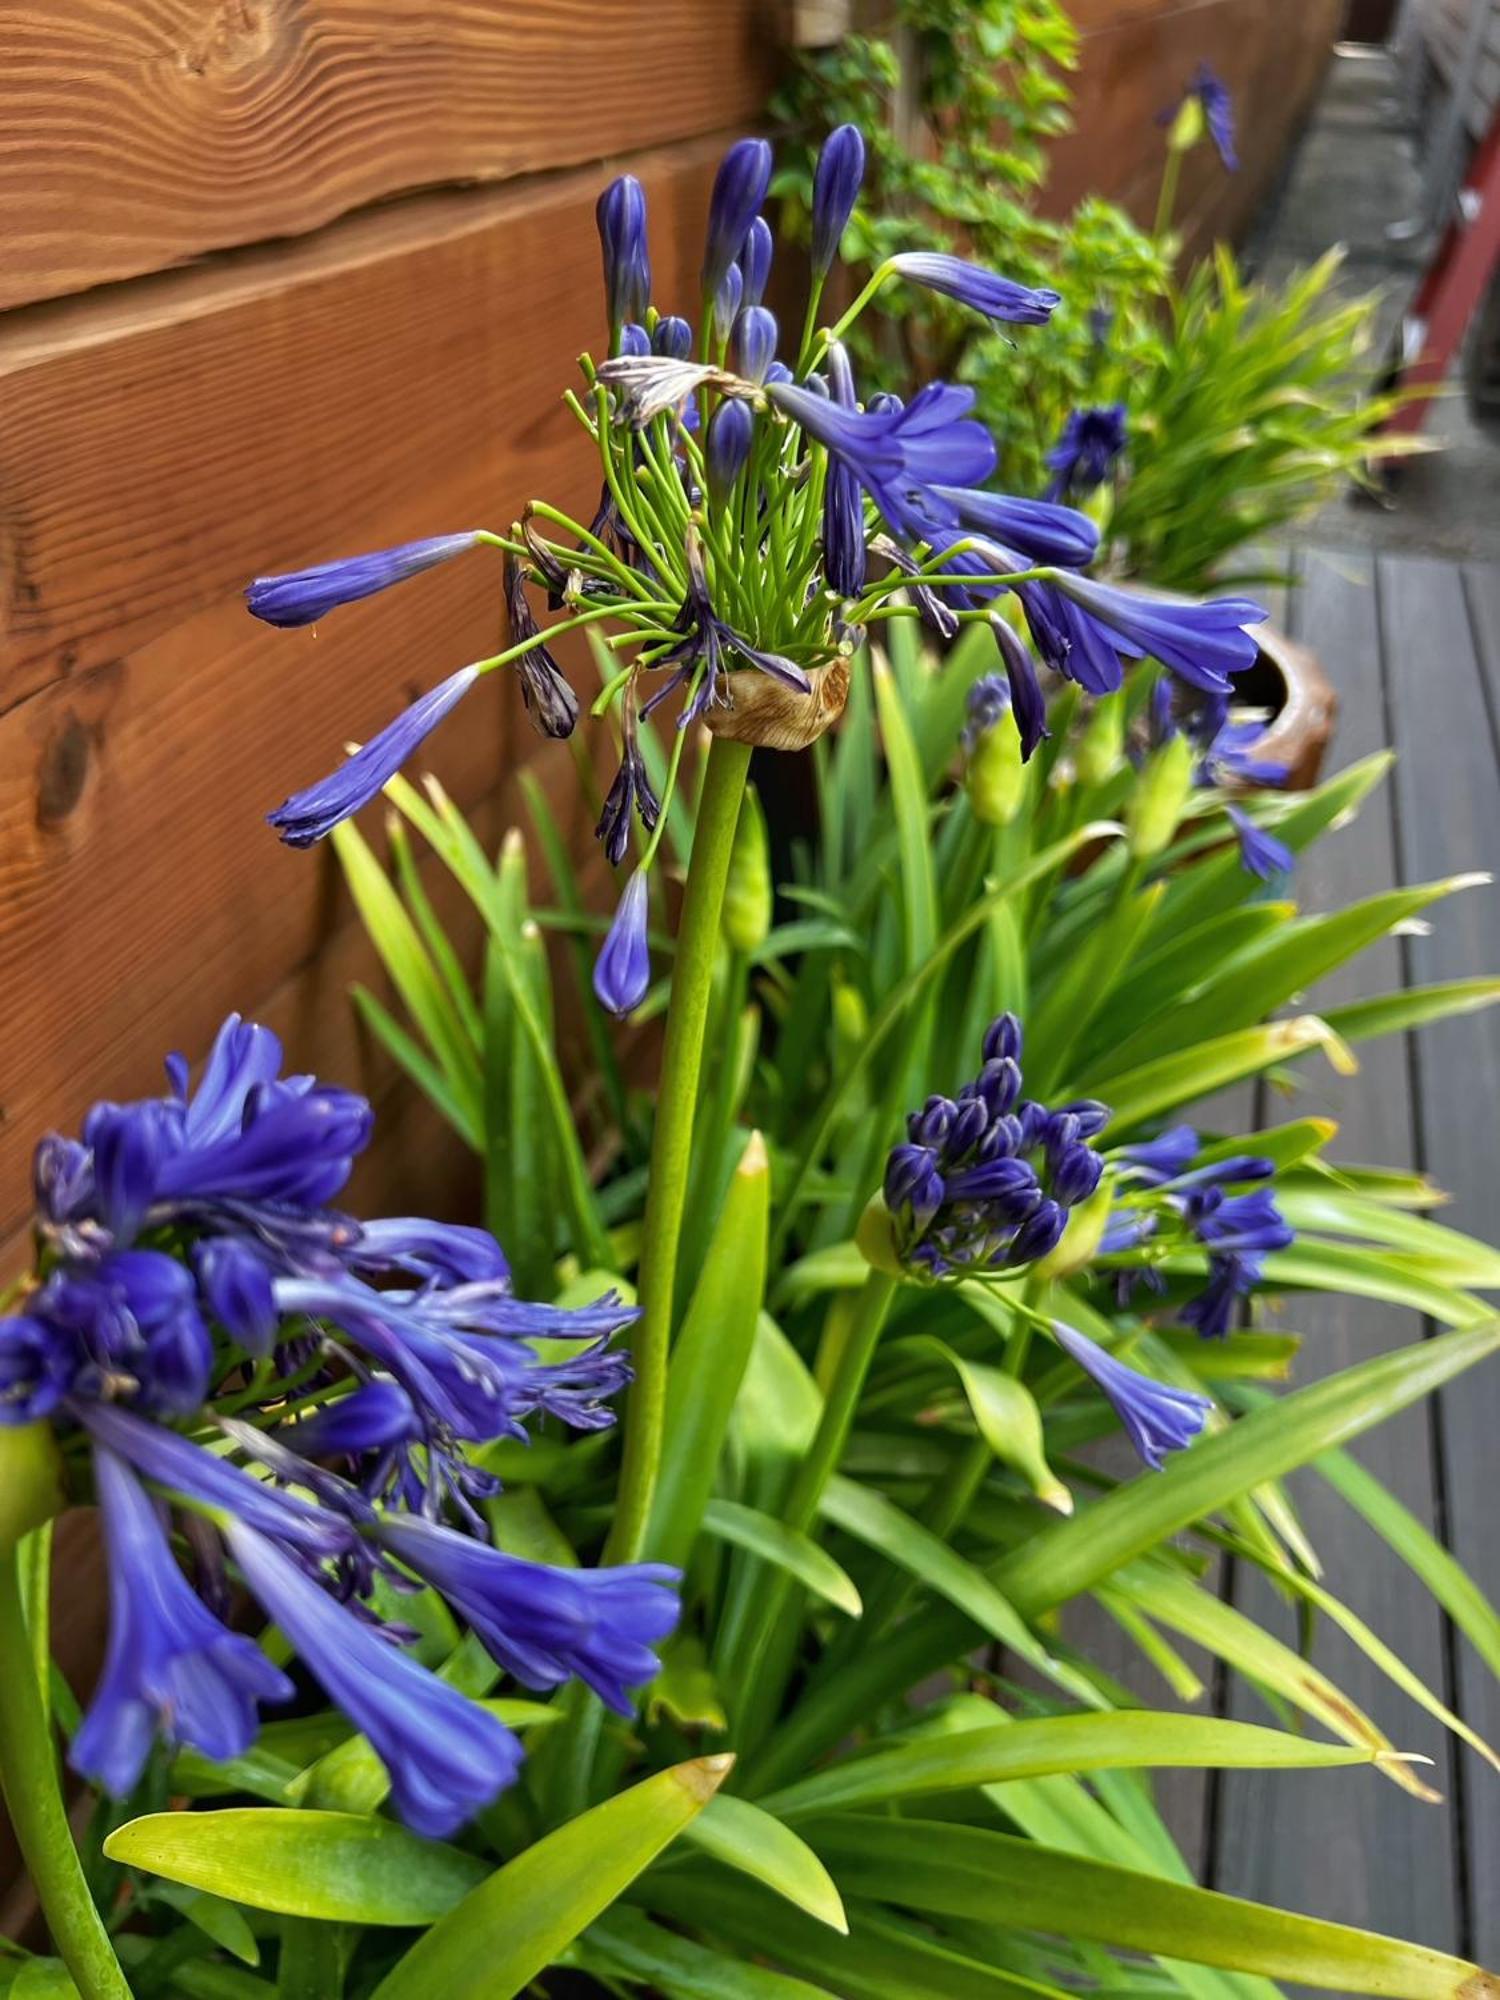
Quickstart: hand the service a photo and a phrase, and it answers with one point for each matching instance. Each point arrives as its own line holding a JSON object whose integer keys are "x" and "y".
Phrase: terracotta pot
{"x": 1288, "y": 682}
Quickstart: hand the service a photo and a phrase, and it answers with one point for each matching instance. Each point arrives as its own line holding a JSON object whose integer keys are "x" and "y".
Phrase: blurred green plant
{"x": 1256, "y": 395}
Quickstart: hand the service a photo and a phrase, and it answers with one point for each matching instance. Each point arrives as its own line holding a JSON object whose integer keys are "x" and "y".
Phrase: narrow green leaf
{"x": 626, "y": 1944}
{"x": 1413, "y": 1007}
{"x": 338, "y": 1867}
{"x": 968, "y": 1872}
{"x": 788, "y": 1548}
{"x": 749, "y": 1838}
{"x": 216, "y": 1918}
{"x": 710, "y": 1357}
{"x": 1067, "y": 1743}
{"x": 908, "y": 793}
{"x": 514, "y": 1924}
{"x": 1138, "y": 1094}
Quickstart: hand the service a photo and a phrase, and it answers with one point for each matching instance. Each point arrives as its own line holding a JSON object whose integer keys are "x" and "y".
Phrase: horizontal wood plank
{"x": 138, "y": 134}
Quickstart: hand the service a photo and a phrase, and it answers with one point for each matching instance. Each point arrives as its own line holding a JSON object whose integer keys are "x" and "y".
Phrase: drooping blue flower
{"x": 621, "y": 216}
{"x": 1261, "y": 853}
{"x": 844, "y": 552}
{"x": 550, "y": 702}
{"x": 975, "y": 286}
{"x": 171, "y": 1669}
{"x": 302, "y": 596}
{"x": 1025, "y": 689}
{"x": 622, "y": 971}
{"x": 446, "y": 1756}
{"x": 1218, "y": 112}
{"x": 1228, "y": 751}
{"x": 753, "y": 346}
{"x": 837, "y": 180}
{"x": 547, "y": 1625}
{"x": 1084, "y": 457}
{"x": 444, "y": 1253}
{"x": 1039, "y": 531}
{"x": 1238, "y": 1230}
{"x": 308, "y": 816}
{"x": 1160, "y": 1159}
{"x": 36, "y": 1368}
{"x": 1157, "y": 1416}
{"x": 755, "y": 261}
{"x": 1203, "y": 643}
{"x": 726, "y": 446}
{"x": 738, "y": 193}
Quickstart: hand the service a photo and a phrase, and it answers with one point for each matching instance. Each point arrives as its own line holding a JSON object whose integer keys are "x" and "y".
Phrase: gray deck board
{"x": 1442, "y": 642}
{"x": 1344, "y": 1846}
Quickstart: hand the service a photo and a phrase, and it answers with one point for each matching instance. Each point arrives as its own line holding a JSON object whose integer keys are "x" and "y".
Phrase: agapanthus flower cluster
{"x": 1227, "y": 762}
{"x": 294, "y": 1400}
{"x": 756, "y": 517}
{"x": 983, "y": 1187}
{"x": 984, "y": 1181}
{"x": 1225, "y": 1205}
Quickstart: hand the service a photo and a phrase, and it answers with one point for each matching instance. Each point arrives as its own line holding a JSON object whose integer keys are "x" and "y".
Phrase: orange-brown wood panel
{"x": 137, "y": 134}
{"x": 1136, "y": 57}
{"x": 391, "y": 380}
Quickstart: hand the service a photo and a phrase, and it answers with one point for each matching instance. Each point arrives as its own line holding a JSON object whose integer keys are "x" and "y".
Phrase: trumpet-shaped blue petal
{"x": 1157, "y": 1417}
{"x": 446, "y": 1756}
{"x": 302, "y": 596}
{"x": 548, "y": 1625}
{"x": 170, "y": 1668}
{"x": 310, "y": 815}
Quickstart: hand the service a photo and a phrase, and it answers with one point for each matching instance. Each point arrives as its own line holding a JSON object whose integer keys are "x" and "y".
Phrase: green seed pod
{"x": 1161, "y": 792}
{"x": 1012, "y": 1428}
{"x": 1102, "y": 745}
{"x": 876, "y": 1237}
{"x": 747, "y": 894}
{"x": 996, "y": 777}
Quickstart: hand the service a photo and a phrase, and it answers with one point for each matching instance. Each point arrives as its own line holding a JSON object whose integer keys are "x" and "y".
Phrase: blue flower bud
{"x": 755, "y": 260}
{"x": 754, "y": 345}
{"x": 739, "y": 191}
{"x": 930, "y": 1126}
{"x": 836, "y": 184}
{"x": 1003, "y": 1038}
{"x": 972, "y": 285}
{"x": 1039, "y": 1235}
{"x": 236, "y": 1288}
{"x": 726, "y": 304}
{"x": 672, "y": 338}
{"x": 999, "y": 1084}
{"x": 1075, "y": 1174}
{"x": 622, "y": 971}
{"x": 621, "y": 216}
{"x": 633, "y": 339}
{"x": 968, "y": 1128}
{"x": 779, "y": 372}
{"x": 727, "y": 446}
{"x": 302, "y": 596}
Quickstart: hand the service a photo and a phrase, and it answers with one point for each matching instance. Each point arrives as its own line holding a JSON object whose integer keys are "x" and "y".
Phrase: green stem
{"x": 672, "y": 1141}
{"x": 33, "y": 1796}
{"x": 856, "y": 1352}
{"x": 1166, "y": 201}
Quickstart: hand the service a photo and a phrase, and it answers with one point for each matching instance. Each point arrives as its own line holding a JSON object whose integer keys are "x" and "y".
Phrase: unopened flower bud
{"x": 748, "y": 893}
{"x": 1161, "y": 792}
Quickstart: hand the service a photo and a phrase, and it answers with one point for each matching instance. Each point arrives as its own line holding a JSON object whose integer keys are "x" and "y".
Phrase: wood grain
{"x": 383, "y": 386}
{"x": 138, "y": 134}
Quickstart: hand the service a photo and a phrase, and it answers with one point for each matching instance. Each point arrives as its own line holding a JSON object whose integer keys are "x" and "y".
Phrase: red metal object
{"x": 1453, "y": 285}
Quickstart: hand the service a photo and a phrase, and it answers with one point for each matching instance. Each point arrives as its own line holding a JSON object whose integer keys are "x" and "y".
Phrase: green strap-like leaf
{"x": 968, "y": 1872}
{"x": 788, "y": 1548}
{"x": 1126, "y": 1738}
{"x": 340, "y": 1867}
{"x": 626, "y": 1944}
{"x": 749, "y": 1838}
{"x": 514, "y": 1924}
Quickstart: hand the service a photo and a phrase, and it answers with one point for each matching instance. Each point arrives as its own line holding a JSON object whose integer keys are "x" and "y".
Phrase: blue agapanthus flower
{"x": 302, "y": 596}
{"x": 973, "y": 285}
{"x": 837, "y": 179}
{"x": 1157, "y": 1416}
{"x": 984, "y": 1180}
{"x": 188, "y": 1248}
{"x": 1093, "y": 441}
